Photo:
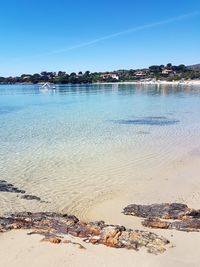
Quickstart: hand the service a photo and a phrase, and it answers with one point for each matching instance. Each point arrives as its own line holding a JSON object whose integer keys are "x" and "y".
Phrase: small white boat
{"x": 47, "y": 86}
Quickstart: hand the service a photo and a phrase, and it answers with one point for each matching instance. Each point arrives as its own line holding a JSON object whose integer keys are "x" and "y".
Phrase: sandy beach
{"x": 18, "y": 249}
{"x": 180, "y": 183}
{"x": 158, "y": 82}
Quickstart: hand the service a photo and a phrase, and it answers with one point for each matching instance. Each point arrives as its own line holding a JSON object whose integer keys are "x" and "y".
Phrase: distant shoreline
{"x": 143, "y": 82}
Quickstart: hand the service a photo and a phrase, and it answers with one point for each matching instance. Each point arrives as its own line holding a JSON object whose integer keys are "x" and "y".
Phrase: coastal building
{"x": 167, "y": 71}
{"x": 110, "y": 75}
{"x": 140, "y": 73}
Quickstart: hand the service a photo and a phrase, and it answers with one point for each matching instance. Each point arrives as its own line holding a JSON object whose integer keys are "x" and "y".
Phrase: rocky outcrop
{"x": 52, "y": 225}
{"x": 181, "y": 217}
{"x": 164, "y": 211}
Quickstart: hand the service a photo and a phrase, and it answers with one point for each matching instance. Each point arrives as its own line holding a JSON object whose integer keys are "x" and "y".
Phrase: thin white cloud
{"x": 128, "y": 31}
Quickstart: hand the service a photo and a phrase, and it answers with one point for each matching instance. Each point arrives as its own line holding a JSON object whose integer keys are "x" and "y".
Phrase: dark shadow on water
{"x": 155, "y": 121}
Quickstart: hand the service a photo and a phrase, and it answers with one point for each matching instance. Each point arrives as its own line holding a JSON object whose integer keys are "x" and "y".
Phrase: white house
{"x": 110, "y": 75}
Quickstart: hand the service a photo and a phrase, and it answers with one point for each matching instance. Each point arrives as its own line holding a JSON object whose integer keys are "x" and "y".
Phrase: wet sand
{"x": 180, "y": 183}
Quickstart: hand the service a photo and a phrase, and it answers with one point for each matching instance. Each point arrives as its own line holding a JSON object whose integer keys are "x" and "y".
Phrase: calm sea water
{"x": 79, "y": 144}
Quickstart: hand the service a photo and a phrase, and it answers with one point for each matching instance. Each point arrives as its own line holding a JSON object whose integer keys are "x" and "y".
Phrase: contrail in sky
{"x": 131, "y": 30}
{"x": 128, "y": 31}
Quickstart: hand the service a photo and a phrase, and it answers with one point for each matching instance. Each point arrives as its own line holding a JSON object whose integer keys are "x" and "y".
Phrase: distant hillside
{"x": 166, "y": 72}
{"x": 194, "y": 67}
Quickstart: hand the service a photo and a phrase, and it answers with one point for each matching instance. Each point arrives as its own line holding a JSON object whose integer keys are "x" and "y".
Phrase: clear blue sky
{"x": 77, "y": 35}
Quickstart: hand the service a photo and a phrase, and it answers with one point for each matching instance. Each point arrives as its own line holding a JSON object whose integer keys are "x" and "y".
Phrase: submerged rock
{"x": 30, "y": 197}
{"x": 52, "y": 225}
{"x": 10, "y": 188}
{"x": 184, "y": 218}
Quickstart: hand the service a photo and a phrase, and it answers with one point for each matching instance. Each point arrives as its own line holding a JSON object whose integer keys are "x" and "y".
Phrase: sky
{"x": 49, "y": 35}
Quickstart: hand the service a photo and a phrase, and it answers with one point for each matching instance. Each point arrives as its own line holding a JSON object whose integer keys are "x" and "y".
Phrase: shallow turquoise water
{"x": 79, "y": 143}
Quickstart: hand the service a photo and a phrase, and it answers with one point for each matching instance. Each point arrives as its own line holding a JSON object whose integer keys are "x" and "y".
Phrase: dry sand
{"x": 159, "y": 82}
{"x": 180, "y": 183}
{"x": 20, "y": 250}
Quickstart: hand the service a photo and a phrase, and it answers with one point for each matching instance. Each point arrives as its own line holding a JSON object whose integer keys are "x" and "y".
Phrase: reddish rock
{"x": 55, "y": 240}
{"x": 156, "y": 223}
{"x": 52, "y": 225}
